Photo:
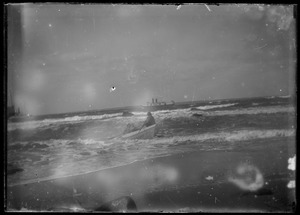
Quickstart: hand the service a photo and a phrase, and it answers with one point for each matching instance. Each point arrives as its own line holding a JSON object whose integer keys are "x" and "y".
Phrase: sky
{"x": 77, "y": 57}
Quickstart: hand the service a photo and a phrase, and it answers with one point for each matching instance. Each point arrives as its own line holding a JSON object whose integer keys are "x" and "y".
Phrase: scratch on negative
{"x": 261, "y": 47}
{"x": 207, "y": 7}
{"x": 170, "y": 200}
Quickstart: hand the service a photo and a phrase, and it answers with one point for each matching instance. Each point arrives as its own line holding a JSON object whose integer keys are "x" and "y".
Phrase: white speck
{"x": 44, "y": 64}
{"x": 50, "y": 25}
{"x": 178, "y": 7}
{"x": 58, "y": 10}
{"x": 267, "y": 183}
{"x": 280, "y": 90}
{"x": 292, "y": 163}
{"x": 291, "y": 184}
{"x": 209, "y": 178}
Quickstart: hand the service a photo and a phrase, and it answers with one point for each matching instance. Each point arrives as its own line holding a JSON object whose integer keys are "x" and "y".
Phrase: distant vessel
{"x": 11, "y": 111}
{"x": 156, "y": 103}
{"x": 14, "y": 113}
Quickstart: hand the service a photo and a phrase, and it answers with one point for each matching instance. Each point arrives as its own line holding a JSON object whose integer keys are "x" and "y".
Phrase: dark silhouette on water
{"x": 155, "y": 105}
{"x": 149, "y": 121}
{"x": 127, "y": 113}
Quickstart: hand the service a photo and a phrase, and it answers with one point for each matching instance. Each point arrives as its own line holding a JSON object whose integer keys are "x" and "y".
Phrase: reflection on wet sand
{"x": 198, "y": 181}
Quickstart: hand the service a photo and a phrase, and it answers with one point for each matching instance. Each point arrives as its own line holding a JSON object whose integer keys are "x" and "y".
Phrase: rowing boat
{"x": 145, "y": 133}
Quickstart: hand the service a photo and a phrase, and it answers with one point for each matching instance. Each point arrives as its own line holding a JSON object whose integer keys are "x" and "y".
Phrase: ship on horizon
{"x": 151, "y": 106}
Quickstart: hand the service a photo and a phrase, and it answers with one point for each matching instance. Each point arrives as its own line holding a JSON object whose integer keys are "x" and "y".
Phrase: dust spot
{"x": 292, "y": 163}
{"x": 291, "y": 184}
{"x": 209, "y": 178}
{"x": 247, "y": 177}
{"x": 112, "y": 89}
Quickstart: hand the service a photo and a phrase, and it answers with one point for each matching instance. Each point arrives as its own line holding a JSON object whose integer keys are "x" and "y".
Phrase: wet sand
{"x": 195, "y": 181}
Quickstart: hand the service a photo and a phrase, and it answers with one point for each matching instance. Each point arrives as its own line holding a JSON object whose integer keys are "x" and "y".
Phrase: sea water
{"x": 60, "y": 145}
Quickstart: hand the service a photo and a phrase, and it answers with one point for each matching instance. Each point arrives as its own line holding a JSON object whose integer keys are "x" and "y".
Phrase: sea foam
{"x": 160, "y": 115}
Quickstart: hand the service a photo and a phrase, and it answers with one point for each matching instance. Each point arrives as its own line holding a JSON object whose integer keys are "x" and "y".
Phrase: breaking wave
{"x": 207, "y": 107}
{"x": 162, "y": 114}
{"x": 237, "y": 135}
{"x": 68, "y": 120}
{"x": 64, "y": 156}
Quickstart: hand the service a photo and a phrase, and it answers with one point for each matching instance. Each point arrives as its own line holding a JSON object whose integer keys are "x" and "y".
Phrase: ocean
{"x": 59, "y": 145}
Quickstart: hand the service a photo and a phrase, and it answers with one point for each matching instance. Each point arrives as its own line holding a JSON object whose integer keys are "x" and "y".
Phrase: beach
{"x": 229, "y": 155}
{"x": 194, "y": 181}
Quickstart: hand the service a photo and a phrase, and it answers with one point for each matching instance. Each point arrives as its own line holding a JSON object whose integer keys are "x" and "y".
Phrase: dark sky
{"x": 65, "y": 58}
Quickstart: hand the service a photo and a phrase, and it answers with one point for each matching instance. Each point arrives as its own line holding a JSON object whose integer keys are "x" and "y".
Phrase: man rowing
{"x": 148, "y": 122}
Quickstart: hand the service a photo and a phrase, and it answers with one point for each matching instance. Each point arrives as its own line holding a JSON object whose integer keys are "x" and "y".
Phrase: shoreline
{"x": 171, "y": 183}
{"x": 237, "y": 147}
